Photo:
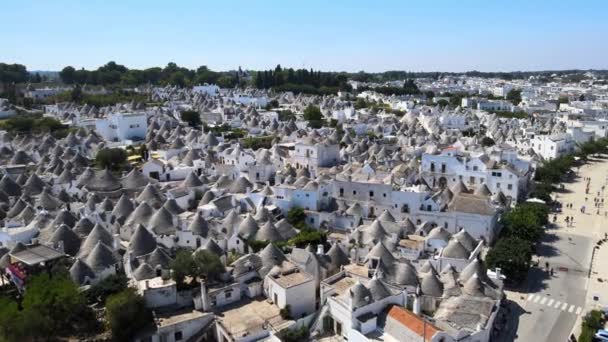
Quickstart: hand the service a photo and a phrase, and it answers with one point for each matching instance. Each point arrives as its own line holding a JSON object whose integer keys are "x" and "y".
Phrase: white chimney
{"x": 320, "y": 249}
{"x": 417, "y": 305}
{"x": 498, "y": 272}
{"x": 205, "y": 296}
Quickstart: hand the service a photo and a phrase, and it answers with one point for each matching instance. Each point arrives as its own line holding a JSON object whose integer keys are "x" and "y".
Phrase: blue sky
{"x": 374, "y": 35}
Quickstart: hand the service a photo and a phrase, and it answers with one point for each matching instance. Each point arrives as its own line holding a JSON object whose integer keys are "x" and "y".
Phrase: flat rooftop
{"x": 171, "y": 318}
{"x": 250, "y": 315}
{"x": 34, "y": 255}
{"x": 292, "y": 279}
{"x": 345, "y": 282}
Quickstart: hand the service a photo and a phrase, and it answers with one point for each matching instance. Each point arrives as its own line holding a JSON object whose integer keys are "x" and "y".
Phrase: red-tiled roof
{"x": 413, "y": 322}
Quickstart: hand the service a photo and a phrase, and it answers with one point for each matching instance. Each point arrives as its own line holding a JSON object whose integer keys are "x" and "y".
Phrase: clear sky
{"x": 349, "y": 35}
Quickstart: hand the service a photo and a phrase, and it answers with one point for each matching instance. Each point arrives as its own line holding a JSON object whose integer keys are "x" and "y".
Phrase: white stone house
{"x": 122, "y": 126}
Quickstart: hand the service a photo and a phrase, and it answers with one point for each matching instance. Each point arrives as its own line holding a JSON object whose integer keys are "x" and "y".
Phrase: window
{"x": 475, "y": 168}
{"x": 442, "y": 168}
{"x": 510, "y": 186}
{"x": 354, "y": 192}
{"x": 428, "y": 207}
{"x": 371, "y": 194}
{"x": 228, "y": 294}
{"x": 341, "y": 192}
{"x": 432, "y": 167}
{"x": 497, "y": 185}
{"x": 445, "y": 225}
{"x": 405, "y": 208}
{"x": 472, "y": 180}
{"x": 178, "y": 336}
{"x": 497, "y": 174}
{"x": 307, "y": 195}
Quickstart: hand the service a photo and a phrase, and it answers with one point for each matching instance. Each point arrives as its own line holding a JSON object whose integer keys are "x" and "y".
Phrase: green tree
{"x": 522, "y": 223}
{"x": 126, "y": 314}
{"x": 192, "y": 117}
{"x": 487, "y": 141}
{"x": 209, "y": 265}
{"x": 183, "y": 266}
{"x": 11, "y": 321}
{"x": 286, "y": 115}
{"x": 297, "y": 217}
{"x": 361, "y": 103}
{"x": 67, "y": 75}
{"x": 592, "y": 321}
{"x": 443, "y": 102}
{"x": 13, "y": 73}
{"x": 53, "y": 307}
{"x": 308, "y": 236}
{"x": 111, "y": 158}
{"x": 108, "y": 286}
{"x": 513, "y": 256}
{"x": 514, "y": 95}
{"x": 313, "y": 115}
{"x": 76, "y": 94}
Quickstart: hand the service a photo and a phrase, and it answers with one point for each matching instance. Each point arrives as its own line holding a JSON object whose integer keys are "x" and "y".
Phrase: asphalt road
{"x": 553, "y": 302}
{"x": 547, "y": 307}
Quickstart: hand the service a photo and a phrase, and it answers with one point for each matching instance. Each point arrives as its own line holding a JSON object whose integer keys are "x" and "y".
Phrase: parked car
{"x": 601, "y": 335}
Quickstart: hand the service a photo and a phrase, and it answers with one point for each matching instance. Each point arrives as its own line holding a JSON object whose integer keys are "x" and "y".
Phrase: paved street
{"x": 548, "y": 307}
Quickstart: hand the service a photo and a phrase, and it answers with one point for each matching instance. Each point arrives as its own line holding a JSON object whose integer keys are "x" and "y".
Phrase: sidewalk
{"x": 590, "y": 225}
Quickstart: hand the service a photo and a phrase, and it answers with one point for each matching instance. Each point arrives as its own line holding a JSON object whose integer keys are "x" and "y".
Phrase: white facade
{"x": 447, "y": 169}
{"x": 553, "y": 146}
{"x": 297, "y": 289}
{"x": 122, "y": 126}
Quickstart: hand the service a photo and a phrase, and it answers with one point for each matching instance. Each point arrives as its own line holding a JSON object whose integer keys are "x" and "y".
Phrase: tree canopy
{"x": 52, "y": 307}
{"x": 192, "y": 117}
{"x": 200, "y": 264}
{"x": 115, "y": 74}
{"x": 111, "y": 158}
{"x": 13, "y": 73}
{"x": 513, "y": 256}
{"x": 301, "y": 80}
{"x": 514, "y": 95}
{"x": 313, "y": 115}
{"x": 126, "y": 314}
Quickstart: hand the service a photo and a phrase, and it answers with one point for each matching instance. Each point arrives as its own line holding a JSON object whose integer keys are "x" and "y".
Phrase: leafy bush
{"x": 286, "y": 115}
{"x": 255, "y": 143}
{"x": 297, "y": 335}
{"x": 313, "y": 115}
{"x": 192, "y": 117}
{"x": 285, "y": 312}
{"x": 31, "y": 123}
{"x": 297, "y": 217}
{"x": 591, "y": 323}
{"x": 108, "y": 286}
{"x": 126, "y": 314}
{"x": 112, "y": 158}
{"x": 308, "y": 236}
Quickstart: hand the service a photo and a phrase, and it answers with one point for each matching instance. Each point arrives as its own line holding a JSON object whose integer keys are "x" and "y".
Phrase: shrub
{"x": 112, "y": 158}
